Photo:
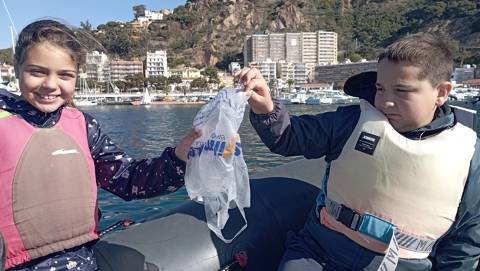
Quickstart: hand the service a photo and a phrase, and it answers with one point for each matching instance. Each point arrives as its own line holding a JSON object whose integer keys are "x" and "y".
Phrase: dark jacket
{"x": 324, "y": 135}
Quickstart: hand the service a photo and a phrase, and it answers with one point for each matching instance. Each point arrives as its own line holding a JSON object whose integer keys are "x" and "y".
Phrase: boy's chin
{"x": 399, "y": 127}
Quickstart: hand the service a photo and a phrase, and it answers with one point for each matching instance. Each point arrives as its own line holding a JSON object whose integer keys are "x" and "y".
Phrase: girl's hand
{"x": 182, "y": 148}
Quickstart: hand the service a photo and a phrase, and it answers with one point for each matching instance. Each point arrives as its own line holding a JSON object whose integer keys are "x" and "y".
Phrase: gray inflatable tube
{"x": 280, "y": 201}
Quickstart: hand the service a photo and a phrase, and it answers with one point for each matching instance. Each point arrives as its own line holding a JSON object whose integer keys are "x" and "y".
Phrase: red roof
{"x": 475, "y": 82}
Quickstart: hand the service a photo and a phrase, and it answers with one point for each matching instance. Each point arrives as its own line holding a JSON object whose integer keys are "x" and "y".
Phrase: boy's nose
{"x": 389, "y": 104}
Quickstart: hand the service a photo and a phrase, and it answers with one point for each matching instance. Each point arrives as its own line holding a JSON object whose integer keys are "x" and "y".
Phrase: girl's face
{"x": 47, "y": 77}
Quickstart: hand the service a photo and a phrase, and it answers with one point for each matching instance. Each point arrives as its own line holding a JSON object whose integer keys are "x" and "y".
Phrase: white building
{"x": 97, "y": 66}
{"x": 234, "y": 66}
{"x": 156, "y": 64}
{"x": 7, "y": 72}
{"x": 310, "y": 48}
{"x": 467, "y": 72}
{"x": 119, "y": 69}
{"x": 297, "y": 72}
{"x": 267, "y": 68}
{"x": 150, "y": 16}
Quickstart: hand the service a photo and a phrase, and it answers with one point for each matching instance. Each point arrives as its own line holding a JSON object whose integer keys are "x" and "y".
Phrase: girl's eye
{"x": 37, "y": 73}
{"x": 66, "y": 76}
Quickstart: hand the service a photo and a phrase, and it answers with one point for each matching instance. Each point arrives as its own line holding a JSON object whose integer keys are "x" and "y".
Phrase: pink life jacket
{"x": 48, "y": 190}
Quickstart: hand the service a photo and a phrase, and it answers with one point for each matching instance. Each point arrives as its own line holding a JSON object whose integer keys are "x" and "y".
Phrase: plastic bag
{"x": 216, "y": 173}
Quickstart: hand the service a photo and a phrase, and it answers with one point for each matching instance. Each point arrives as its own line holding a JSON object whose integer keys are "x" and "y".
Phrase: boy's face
{"x": 407, "y": 102}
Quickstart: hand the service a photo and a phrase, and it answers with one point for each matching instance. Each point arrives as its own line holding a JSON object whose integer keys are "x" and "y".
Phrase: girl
{"x": 54, "y": 157}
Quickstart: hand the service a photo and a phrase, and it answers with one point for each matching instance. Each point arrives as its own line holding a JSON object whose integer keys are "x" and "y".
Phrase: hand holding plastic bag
{"x": 216, "y": 173}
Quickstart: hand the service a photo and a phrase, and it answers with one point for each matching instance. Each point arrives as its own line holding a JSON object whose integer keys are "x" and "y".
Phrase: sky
{"x": 96, "y": 12}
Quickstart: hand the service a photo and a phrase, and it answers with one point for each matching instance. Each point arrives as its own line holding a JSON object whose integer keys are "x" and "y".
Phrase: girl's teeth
{"x": 47, "y": 97}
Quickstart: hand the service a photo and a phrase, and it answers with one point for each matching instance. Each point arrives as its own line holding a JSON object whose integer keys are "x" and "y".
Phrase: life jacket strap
{"x": 4, "y": 114}
{"x": 377, "y": 228}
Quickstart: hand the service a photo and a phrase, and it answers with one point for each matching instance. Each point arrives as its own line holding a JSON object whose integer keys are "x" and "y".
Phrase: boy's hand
{"x": 255, "y": 85}
{"x": 182, "y": 148}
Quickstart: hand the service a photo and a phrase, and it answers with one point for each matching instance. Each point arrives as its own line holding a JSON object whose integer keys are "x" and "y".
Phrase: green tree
{"x": 87, "y": 26}
{"x": 199, "y": 83}
{"x": 290, "y": 83}
{"x": 174, "y": 79}
{"x": 158, "y": 82}
{"x": 136, "y": 80}
{"x": 184, "y": 16}
{"x": 183, "y": 89}
{"x": 273, "y": 84}
{"x": 212, "y": 76}
{"x": 122, "y": 85}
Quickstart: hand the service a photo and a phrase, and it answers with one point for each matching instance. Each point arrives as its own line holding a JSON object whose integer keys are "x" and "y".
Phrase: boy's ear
{"x": 443, "y": 89}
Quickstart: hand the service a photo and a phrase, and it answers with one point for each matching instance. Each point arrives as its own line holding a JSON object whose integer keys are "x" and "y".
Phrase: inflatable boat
{"x": 281, "y": 198}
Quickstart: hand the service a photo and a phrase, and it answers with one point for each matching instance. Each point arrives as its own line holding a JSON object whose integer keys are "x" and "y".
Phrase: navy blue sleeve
{"x": 312, "y": 136}
{"x": 128, "y": 178}
{"x": 459, "y": 249}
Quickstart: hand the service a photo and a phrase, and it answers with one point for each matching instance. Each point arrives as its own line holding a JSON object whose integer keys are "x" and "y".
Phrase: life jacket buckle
{"x": 349, "y": 218}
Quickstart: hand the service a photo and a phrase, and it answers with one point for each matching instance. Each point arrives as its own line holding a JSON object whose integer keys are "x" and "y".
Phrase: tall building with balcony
{"x": 293, "y": 47}
{"x": 119, "y": 69}
{"x": 156, "y": 64}
{"x": 327, "y": 47}
{"x": 310, "y": 48}
{"x": 97, "y": 67}
{"x": 260, "y": 48}
{"x": 267, "y": 68}
{"x": 297, "y": 72}
{"x": 464, "y": 73}
{"x": 277, "y": 47}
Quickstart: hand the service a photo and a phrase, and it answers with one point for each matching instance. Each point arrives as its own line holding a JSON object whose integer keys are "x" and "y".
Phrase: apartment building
{"x": 310, "y": 48}
{"x": 267, "y": 68}
{"x": 156, "y": 64}
{"x": 277, "y": 47}
{"x": 298, "y": 72}
{"x": 467, "y": 72}
{"x": 7, "y": 72}
{"x": 327, "y": 47}
{"x": 121, "y": 68}
{"x": 97, "y": 66}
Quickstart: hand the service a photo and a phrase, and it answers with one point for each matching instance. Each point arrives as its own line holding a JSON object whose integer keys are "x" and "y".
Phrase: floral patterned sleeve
{"x": 128, "y": 178}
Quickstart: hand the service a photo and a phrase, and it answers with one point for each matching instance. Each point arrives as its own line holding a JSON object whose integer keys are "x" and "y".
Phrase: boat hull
{"x": 180, "y": 240}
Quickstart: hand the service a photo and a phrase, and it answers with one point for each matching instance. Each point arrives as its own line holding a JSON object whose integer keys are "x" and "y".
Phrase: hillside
{"x": 211, "y": 32}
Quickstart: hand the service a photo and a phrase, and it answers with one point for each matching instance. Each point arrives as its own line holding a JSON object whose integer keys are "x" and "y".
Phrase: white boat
{"x": 463, "y": 94}
{"x": 316, "y": 99}
{"x": 85, "y": 102}
{"x": 299, "y": 98}
{"x": 146, "y": 99}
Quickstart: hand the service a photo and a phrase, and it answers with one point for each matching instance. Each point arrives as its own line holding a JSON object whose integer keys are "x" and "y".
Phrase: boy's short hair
{"x": 425, "y": 51}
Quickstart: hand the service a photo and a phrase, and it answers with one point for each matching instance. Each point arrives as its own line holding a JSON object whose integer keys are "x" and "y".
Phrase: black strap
{"x": 2, "y": 253}
{"x": 349, "y": 218}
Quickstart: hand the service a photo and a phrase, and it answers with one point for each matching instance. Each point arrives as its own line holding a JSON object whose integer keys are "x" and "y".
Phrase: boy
{"x": 401, "y": 186}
